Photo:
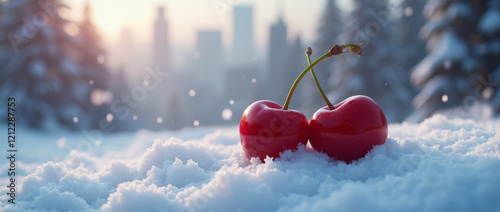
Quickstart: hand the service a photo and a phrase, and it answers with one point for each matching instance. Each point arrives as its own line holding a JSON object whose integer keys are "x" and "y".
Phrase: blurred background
{"x": 123, "y": 65}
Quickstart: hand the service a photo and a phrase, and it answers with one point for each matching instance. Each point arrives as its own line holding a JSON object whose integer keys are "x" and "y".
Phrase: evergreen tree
{"x": 329, "y": 28}
{"x": 41, "y": 65}
{"x": 330, "y": 25}
{"x": 412, "y": 19}
{"x": 460, "y": 55}
{"x": 376, "y": 73}
{"x": 488, "y": 84}
{"x": 92, "y": 54}
{"x": 92, "y": 58}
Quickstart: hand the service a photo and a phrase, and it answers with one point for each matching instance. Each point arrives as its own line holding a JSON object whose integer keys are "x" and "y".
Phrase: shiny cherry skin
{"x": 349, "y": 131}
{"x": 267, "y": 130}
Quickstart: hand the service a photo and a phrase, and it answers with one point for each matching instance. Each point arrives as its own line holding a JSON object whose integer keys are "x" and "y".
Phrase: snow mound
{"x": 441, "y": 164}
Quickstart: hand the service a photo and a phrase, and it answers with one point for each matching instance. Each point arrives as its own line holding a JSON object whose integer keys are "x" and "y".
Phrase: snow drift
{"x": 441, "y": 164}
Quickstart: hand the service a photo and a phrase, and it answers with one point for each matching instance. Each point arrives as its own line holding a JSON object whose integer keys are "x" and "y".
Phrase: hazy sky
{"x": 186, "y": 16}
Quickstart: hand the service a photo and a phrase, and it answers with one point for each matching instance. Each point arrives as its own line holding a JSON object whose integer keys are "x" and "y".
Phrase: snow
{"x": 490, "y": 22}
{"x": 38, "y": 68}
{"x": 458, "y": 10}
{"x": 450, "y": 47}
{"x": 441, "y": 164}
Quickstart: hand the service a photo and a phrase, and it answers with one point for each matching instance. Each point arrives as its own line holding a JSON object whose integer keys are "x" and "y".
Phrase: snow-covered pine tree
{"x": 410, "y": 23}
{"x": 92, "y": 53}
{"x": 488, "y": 84}
{"x": 449, "y": 73}
{"x": 91, "y": 59}
{"x": 40, "y": 66}
{"x": 330, "y": 25}
{"x": 376, "y": 73}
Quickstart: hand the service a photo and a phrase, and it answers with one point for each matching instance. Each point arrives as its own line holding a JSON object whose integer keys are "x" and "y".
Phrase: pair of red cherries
{"x": 346, "y": 131}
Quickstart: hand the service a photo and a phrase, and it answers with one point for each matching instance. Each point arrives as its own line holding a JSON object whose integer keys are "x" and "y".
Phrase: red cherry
{"x": 266, "y": 129}
{"x": 349, "y": 131}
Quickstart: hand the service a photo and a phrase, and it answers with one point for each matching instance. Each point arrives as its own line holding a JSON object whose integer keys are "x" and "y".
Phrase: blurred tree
{"x": 330, "y": 25}
{"x": 44, "y": 65}
{"x": 91, "y": 58}
{"x": 92, "y": 55}
{"x": 412, "y": 19}
{"x": 376, "y": 73}
{"x": 462, "y": 42}
{"x": 488, "y": 84}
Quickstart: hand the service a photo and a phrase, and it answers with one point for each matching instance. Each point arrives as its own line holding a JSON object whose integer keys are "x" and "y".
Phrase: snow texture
{"x": 490, "y": 22}
{"x": 441, "y": 164}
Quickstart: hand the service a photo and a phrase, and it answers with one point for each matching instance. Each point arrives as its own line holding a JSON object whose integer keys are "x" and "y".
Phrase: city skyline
{"x": 196, "y": 15}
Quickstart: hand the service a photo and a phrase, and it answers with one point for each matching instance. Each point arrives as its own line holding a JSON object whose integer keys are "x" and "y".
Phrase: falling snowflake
{"x": 444, "y": 98}
{"x": 227, "y": 114}
{"x": 109, "y": 117}
{"x": 192, "y": 93}
{"x": 61, "y": 143}
{"x": 408, "y": 11}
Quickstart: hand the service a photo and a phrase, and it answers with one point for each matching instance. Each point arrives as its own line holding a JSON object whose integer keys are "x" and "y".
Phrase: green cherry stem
{"x": 292, "y": 89}
{"x": 335, "y": 50}
{"x": 308, "y": 55}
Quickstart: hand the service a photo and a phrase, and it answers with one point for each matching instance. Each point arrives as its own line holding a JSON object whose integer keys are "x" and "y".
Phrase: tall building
{"x": 160, "y": 41}
{"x": 125, "y": 56}
{"x": 209, "y": 70}
{"x": 278, "y": 48}
{"x": 161, "y": 105}
{"x": 243, "y": 51}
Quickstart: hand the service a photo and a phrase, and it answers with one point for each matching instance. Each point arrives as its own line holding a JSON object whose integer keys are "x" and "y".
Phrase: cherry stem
{"x": 335, "y": 50}
{"x": 330, "y": 105}
{"x": 292, "y": 89}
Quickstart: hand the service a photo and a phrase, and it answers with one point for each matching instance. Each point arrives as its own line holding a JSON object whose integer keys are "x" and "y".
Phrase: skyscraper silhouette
{"x": 278, "y": 48}
{"x": 209, "y": 61}
{"x": 160, "y": 41}
{"x": 161, "y": 103}
{"x": 243, "y": 51}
